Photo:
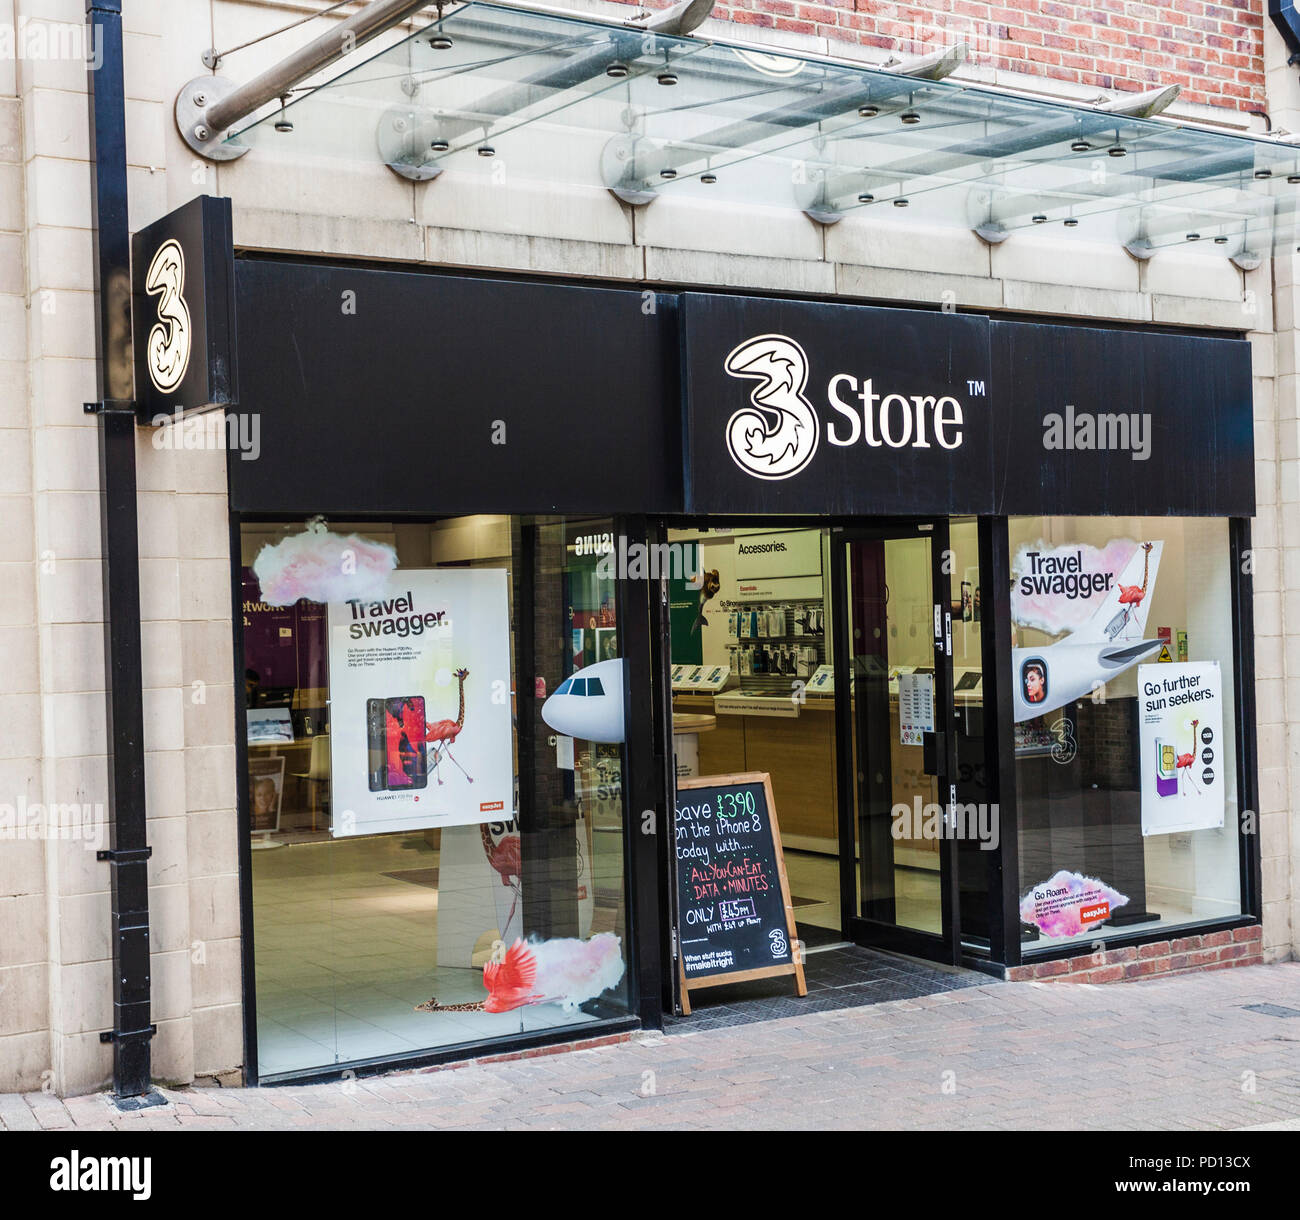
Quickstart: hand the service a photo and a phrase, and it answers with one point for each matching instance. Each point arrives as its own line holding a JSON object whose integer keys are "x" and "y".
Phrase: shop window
{"x": 435, "y": 862}
{"x": 1125, "y": 738}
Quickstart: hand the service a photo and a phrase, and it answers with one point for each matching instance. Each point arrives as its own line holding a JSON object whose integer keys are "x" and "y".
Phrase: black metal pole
{"x": 128, "y": 851}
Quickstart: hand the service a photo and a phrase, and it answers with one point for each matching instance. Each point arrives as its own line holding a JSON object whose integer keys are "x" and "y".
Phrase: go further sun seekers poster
{"x": 1180, "y": 724}
{"x": 420, "y": 704}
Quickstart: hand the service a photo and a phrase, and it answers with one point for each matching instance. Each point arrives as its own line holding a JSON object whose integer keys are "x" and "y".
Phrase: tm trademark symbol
{"x": 974, "y": 388}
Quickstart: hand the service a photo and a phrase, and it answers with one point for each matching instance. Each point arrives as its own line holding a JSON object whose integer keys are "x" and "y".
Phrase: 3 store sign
{"x": 778, "y": 433}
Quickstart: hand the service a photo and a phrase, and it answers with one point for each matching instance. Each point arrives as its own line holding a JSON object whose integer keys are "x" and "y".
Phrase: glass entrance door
{"x": 897, "y": 764}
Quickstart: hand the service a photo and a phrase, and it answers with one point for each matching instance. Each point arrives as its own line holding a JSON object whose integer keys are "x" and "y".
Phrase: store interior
{"x": 753, "y": 679}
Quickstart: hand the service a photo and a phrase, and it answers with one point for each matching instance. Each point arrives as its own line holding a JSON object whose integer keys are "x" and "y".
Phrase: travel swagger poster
{"x": 420, "y": 704}
{"x": 1180, "y": 726}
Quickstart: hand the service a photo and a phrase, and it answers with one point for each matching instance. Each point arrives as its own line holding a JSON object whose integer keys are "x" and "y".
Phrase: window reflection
{"x": 380, "y": 945}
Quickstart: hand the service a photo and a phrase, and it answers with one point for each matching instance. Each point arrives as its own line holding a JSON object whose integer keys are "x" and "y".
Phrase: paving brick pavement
{"x": 1180, "y": 1053}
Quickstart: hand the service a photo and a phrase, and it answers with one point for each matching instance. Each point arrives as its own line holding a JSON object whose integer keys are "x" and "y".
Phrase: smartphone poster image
{"x": 420, "y": 677}
{"x": 406, "y": 759}
{"x": 376, "y": 765}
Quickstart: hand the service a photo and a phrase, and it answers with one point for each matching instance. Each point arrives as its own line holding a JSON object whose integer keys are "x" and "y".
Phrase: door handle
{"x": 933, "y": 749}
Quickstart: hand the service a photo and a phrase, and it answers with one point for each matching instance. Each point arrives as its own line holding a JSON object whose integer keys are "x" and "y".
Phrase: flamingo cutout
{"x": 509, "y": 982}
{"x": 443, "y": 732}
{"x": 505, "y": 860}
{"x": 1131, "y": 596}
{"x": 1185, "y": 762}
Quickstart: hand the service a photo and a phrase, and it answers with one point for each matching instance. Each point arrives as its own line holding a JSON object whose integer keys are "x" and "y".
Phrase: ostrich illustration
{"x": 443, "y": 732}
{"x": 504, "y": 859}
{"x": 1185, "y": 762}
{"x": 1131, "y": 596}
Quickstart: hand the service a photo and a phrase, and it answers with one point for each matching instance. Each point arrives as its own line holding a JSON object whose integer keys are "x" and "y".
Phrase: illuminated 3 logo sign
{"x": 169, "y": 338}
{"x": 776, "y": 436}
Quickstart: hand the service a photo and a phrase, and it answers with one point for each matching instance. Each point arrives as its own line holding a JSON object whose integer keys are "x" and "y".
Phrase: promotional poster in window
{"x": 420, "y": 704}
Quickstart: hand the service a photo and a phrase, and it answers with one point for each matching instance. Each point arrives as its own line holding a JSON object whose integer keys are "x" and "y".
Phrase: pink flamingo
{"x": 509, "y": 982}
{"x": 443, "y": 732}
{"x": 505, "y": 860}
{"x": 1185, "y": 762}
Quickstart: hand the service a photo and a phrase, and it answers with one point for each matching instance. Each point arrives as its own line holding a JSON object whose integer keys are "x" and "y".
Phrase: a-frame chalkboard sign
{"x": 735, "y": 921}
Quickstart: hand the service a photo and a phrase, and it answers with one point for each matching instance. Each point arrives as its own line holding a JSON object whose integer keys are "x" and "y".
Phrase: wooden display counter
{"x": 797, "y": 751}
{"x": 799, "y": 754}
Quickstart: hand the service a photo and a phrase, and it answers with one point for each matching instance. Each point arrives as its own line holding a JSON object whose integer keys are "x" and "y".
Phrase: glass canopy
{"x": 647, "y": 116}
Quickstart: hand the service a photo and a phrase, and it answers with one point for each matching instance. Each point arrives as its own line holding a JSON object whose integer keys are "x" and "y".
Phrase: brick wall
{"x": 1108, "y": 744}
{"x": 1214, "y": 50}
{"x": 1180, "y": 955}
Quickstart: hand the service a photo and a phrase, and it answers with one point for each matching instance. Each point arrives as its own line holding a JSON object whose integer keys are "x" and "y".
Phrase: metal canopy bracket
{"x": 192, "y": 103}
{"x": 1140, "y": 249}
{"x": 206, "y": 111}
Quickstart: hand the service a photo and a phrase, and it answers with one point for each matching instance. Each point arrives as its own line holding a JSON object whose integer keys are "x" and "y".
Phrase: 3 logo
{"x": 168, "y": 346}
{"x": 776, "y": 436}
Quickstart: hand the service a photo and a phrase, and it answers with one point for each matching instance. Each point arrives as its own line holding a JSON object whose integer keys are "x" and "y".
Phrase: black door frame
{"x": 946, "y": 946}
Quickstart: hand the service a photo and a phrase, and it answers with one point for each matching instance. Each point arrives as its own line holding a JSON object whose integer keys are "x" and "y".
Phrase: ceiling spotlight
{"x": 1117, "y": 150}
{"x": 1263, "y": 173}
{"x": 439, "y": 145}
{"x": 708, "y": 179}
{"x": 283, "y": 124}
{"x": 486, "y": 150}
{"x": 866, "y": 197}
{"x": 1193, "y": 237}
{"x": 868, "y": 112}
{"x": 668, "y": 172}
{"x": 909, "y": 117}
{"x": 440, "y": 42}
{"x": 617, "y": 71}
{"x": 1080, "y": 146}
{"x": 1220, "y": 240}
{"x": 1293, "y": 178}
{"x": 1040, "y": 219}
{"x": 1070, "y": 222}
{"x": 667, "y": 78}
{"x": 901, "y": 203}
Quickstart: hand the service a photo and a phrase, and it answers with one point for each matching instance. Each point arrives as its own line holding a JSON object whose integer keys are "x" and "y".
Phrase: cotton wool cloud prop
{"x": 323, "y": 567}
{"x": 571, "y": 972}
{"x": 1069, "y": 903}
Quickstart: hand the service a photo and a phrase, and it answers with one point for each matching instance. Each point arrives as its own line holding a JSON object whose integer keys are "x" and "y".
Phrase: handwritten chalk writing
{"x": 729, "y": 892}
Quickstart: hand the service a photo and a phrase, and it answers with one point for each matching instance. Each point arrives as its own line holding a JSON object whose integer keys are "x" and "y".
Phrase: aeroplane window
{"x": 579, "y": 686}
{"x": 594, "y": 687}
{"x": 564, "y": 686}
